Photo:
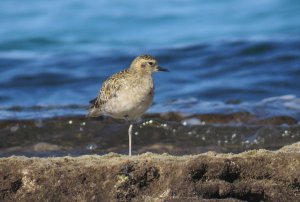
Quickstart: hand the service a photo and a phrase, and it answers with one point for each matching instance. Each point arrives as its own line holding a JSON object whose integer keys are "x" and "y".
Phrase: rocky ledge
{"x": 256, "y": 175}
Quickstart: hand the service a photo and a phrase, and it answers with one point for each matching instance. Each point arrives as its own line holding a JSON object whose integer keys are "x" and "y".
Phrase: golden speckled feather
{"x": 110, "y": 87}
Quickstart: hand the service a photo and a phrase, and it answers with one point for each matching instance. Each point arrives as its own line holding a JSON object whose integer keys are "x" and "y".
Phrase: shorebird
{"x": 127, "y": 94}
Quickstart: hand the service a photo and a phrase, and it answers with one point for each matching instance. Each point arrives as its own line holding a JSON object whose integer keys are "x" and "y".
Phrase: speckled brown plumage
{"x": 147, "y": 57}
{"x": 129, "y": 93}
{"x": 109, "y": 88}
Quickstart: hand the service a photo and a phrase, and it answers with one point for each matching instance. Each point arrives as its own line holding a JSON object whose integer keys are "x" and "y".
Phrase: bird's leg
{"x": 129, "y": 134}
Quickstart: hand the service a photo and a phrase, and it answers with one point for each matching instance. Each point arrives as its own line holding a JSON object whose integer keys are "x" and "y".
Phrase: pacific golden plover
{"x": 127, "y": 94}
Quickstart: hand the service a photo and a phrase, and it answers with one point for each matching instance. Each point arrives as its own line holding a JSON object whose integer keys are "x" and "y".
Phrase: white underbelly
{"x": 129, "y": 104}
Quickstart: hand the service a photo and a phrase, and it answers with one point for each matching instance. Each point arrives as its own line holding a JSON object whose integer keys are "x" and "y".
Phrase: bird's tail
{"x": 93, "y": 112}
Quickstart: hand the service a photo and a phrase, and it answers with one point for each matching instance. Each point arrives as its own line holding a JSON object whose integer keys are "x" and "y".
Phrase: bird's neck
{"x": 140, "y": 72}
{"x": 141, "y": 78}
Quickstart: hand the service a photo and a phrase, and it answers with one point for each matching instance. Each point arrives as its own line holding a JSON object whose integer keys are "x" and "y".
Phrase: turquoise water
{"x": 113, "y": 26}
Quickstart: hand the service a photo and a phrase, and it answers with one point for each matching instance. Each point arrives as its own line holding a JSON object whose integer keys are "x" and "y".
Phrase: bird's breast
{"x": 132, "y": 100}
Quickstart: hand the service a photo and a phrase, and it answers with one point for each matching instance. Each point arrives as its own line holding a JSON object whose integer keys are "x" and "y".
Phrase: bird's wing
{"x": 109, "y": 89}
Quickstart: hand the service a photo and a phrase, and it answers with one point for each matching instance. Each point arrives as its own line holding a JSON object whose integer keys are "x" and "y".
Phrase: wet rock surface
{"x": 172, "y": 133}
{"x": 257, "y": 175}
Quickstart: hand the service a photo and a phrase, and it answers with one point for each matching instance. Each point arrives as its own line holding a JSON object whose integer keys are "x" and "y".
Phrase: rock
{"x": 256, "y": 175}
{"x": 293, "y": 148}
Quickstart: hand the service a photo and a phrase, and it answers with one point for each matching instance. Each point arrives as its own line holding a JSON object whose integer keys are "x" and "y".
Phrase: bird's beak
{"x": 161, "y": 69}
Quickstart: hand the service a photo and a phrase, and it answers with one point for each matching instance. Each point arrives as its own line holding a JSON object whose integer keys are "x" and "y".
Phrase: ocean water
{"x": 224, "y": 57}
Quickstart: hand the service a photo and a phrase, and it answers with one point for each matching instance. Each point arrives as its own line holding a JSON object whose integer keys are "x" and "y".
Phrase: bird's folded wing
{"x": 109, "y": 89}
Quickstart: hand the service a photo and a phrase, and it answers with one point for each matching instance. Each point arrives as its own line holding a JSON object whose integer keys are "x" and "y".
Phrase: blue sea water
{"x": 234, "y": 74}
{"x": 223, "y": 56}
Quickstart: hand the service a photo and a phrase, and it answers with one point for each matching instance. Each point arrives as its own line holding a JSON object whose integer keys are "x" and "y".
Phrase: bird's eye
{"x": 150, "y": 63}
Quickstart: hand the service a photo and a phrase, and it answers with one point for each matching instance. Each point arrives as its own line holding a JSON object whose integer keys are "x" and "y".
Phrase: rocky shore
{"x": 256, "y": 175}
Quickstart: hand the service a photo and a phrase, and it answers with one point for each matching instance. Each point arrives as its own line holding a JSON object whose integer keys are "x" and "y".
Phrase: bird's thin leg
{"x": 129, "y": 134}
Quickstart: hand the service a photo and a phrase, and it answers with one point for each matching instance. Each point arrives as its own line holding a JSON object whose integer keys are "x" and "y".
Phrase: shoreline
{"x": 171, "y": 134}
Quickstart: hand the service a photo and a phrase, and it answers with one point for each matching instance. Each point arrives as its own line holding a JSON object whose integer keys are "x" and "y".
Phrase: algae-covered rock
{"x": 257, "y": 175}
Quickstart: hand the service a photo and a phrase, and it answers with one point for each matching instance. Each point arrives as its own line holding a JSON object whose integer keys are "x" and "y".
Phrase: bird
{"x": 127, "y": 94}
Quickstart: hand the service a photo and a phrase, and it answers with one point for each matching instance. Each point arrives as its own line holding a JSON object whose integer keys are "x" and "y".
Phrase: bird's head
{"x": 146, "y": 64}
